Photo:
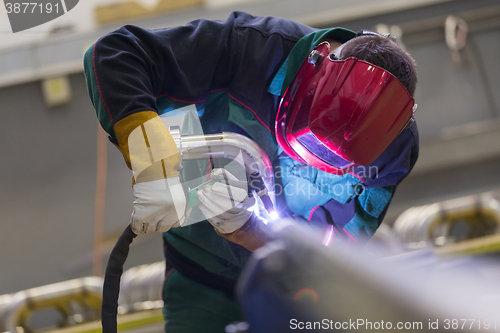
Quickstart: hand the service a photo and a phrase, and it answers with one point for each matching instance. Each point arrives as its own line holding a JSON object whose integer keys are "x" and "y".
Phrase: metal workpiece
{"x": 229, "y": 145}
{"x": 297, "y": 279}
{"x": 77, "y": 301}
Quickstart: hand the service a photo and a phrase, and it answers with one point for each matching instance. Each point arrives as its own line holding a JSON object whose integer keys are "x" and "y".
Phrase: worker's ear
{"x": 334, "y": 44}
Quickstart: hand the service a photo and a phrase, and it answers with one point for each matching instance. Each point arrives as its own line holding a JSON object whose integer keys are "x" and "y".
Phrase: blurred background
{"x": 52, "y": 152}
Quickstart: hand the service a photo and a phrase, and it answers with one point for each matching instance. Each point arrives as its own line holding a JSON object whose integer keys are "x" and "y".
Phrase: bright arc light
{"x": 274, "y": 215}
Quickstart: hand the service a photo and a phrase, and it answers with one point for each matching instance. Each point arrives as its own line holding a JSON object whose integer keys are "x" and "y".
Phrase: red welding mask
{"x": 338, "y": 114}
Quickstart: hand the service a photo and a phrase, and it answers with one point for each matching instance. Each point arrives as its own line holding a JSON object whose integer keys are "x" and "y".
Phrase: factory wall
{"x": 48, "y": 154}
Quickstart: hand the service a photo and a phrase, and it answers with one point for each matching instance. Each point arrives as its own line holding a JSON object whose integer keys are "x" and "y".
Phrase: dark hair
{"x": 386, "y": 54}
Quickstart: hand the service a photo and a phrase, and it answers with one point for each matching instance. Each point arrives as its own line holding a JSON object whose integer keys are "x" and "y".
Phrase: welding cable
{"x": 111, "y": 288}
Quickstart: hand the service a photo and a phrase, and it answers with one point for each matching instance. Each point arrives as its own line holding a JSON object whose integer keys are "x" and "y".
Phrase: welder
{"x": 332, "y": 109}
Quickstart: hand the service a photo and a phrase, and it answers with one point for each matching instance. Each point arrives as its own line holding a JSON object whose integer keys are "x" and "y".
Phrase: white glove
{"x": 225, "y": 206}
{"x": 158, "y": 206}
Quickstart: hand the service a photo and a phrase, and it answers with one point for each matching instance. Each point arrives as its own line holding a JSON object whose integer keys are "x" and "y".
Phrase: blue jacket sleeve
{"x": 128, "y": 69}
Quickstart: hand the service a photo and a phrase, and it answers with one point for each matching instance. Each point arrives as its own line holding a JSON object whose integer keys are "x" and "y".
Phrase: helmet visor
{"x": 337, "y": 114}
{"x": 318, "y": 149}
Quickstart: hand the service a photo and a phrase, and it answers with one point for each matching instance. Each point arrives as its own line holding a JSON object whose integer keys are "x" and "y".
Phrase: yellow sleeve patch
{"x": 147, "y": 146}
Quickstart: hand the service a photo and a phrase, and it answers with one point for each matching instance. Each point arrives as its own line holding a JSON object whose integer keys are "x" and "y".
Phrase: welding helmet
{"x": 338, "y": 114}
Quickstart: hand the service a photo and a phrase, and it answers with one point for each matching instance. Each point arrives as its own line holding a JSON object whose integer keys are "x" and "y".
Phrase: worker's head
{"x": 344, "y": 109}
{"x": 384, "y": 53}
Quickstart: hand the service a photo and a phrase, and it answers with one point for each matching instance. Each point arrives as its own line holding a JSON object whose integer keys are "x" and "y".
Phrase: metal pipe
{"x": 432, "y": 225}
{"x": 229, "y": 145}
{"x": 141, "y": 288}
{"x": 59, "y": 296}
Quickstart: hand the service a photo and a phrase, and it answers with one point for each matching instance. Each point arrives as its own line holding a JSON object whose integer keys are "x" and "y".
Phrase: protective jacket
{"x": 233, "y": 73}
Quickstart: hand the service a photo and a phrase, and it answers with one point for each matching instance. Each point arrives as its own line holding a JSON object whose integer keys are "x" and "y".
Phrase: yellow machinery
{"x": 76, "y": 301}
{"x": 127, "y": 10}
{"x": 78, "y": 304}
{"x": 460, "y": 226}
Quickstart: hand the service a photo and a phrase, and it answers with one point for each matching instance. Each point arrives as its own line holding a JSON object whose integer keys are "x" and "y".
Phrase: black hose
{"x": 111, "y": 288}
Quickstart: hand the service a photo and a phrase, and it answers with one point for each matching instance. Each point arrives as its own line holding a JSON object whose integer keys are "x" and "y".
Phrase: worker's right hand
{"x": 158, "y": 205}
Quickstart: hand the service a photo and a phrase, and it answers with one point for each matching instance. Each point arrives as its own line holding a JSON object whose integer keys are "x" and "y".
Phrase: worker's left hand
{"x": 223, "y": 205}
